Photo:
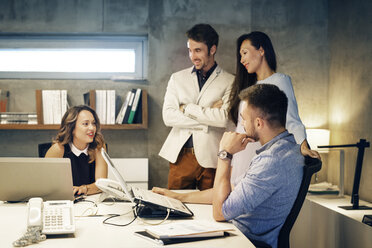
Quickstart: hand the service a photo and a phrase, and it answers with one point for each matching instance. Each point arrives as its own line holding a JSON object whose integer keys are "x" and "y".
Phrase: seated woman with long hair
{"x": 80, "y": 139}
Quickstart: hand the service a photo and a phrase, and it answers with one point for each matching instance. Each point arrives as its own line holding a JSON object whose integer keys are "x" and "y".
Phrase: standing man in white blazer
{"x": 195, "y": 106}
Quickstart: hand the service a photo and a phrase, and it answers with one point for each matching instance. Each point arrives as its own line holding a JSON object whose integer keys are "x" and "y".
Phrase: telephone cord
{"x": 33, "y": 235}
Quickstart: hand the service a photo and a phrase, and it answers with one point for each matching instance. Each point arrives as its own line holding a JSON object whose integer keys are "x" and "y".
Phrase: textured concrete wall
{"x": 350, "y": 87}
{"x": 298, "y": 30}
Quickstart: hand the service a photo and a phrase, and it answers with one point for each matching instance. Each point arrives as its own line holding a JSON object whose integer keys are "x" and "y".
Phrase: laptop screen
{"x": 127, "y": 189}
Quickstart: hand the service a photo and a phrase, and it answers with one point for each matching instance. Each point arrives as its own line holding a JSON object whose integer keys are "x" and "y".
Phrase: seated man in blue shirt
{"x": 262, "y": 200}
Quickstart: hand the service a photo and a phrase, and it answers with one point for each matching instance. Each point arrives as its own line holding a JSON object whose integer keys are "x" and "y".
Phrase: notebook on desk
{"x": 24, "y": 178}
{"x": 149, "y": 203}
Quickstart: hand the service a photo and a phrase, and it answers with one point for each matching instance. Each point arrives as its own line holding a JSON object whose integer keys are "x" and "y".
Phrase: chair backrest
{"x": 312, "y": 165}
{"x": 43, "y": 148}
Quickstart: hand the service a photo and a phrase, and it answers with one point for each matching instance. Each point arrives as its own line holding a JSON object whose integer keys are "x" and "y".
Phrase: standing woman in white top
{"x": 256, "y": 64}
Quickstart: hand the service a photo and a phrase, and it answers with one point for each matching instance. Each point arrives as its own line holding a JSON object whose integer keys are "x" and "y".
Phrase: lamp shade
{"x": 317, "y": 137}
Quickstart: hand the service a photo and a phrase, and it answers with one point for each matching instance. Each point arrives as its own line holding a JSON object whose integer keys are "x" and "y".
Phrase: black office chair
{"x": 44, "y": 147}
{"x": 312, "y": 165}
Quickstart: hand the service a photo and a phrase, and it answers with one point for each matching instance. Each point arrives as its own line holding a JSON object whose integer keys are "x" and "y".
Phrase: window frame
{"x": 87, "y": 41}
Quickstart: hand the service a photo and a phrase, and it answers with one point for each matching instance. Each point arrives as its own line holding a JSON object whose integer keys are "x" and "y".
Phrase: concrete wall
{"x": 350, "y": 87}
{"x": 298, "y": 29}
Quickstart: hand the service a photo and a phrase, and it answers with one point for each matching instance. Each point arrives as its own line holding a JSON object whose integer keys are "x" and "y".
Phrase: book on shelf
{"x": 135, "y": 105}
{"x": 129, "y": 108}
{"x": 101, "y": 105}
{"x": 18, "y": 118}
{"x": 54, "y": 103}
{"x": 110, "y": 118}
{"x": 120, "y": 117}
{"x": 188, "y": 229}
{"x": 86, "y": 97}
{"x": 105, "y": 106}
{"x": 4, "y": 98}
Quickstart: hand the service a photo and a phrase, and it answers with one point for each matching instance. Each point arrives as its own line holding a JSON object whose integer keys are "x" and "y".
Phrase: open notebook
{"x": 150, "y": 204}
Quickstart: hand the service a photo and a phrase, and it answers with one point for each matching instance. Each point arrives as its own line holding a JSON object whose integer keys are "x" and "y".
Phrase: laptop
{"x": 149, "y": 203}
{"x": 24, "y": 178}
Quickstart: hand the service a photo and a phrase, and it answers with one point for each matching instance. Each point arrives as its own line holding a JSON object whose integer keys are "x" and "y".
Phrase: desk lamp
{"x": 362, "y": 144}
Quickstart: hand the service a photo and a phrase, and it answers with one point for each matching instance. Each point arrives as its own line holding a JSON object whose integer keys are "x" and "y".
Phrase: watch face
{"x": 223, "y": 154}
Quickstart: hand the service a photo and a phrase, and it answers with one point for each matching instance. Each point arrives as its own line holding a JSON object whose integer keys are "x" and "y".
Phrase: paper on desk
{"x": 323, "y": 187}
{"x": 189, "y": 228}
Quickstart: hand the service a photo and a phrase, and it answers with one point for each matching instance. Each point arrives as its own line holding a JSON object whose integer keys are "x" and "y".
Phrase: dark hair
{"x": 270, "y": 100}
{"x": 243, "y": 79}
{"x": 203, "y": 33}
{"x": 68, "y": 123}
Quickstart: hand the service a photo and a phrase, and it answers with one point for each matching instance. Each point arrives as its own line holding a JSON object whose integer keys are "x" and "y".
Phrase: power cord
{"x": 149, "y": 223}
{"x": 117, "y": 215}
{"x": 93, "y": 209}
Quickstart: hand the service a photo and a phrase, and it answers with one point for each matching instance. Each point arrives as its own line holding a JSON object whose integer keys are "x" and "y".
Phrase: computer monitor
{"x": 22, "y": 178}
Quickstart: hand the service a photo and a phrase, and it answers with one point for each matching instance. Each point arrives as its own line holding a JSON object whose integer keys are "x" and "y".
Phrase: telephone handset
{"x": 111, "y": 188}
{"x": 55, "y": 217}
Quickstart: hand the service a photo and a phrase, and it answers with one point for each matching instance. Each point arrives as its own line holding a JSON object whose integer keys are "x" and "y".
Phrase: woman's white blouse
{"x": 242, "y": 160}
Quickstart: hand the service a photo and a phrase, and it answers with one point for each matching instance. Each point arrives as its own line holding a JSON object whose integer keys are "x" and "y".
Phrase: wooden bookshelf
{"x": 92, "y": 95}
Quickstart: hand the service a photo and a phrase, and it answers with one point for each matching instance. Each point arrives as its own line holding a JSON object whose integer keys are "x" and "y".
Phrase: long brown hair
{"x": 243, "y": 79}
{"x": 68, "y": 123}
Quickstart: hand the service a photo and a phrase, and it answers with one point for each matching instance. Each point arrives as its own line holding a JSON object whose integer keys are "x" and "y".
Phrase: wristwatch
{"x": 224, "y": 155}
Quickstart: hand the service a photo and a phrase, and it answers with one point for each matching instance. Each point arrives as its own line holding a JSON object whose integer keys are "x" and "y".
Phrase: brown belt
{"x": 188, "y": 150}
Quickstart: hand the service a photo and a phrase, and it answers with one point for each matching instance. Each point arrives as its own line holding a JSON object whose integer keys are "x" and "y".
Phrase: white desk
{"x": 321, "y": 223}
{"x": 90, "y": 232}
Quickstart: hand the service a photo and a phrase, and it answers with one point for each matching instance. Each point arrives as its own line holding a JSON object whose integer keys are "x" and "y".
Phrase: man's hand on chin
{"x": 234, "y": 142}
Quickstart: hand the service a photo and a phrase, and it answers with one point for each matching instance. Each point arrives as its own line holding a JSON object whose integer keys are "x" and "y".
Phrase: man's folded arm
{"x": 211, "y": 116}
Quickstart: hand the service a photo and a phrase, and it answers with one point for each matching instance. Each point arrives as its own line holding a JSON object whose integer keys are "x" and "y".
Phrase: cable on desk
{"x": 148, "y": 223}
{"x": 117, "y": 215}
{"x": 94, "y": 209}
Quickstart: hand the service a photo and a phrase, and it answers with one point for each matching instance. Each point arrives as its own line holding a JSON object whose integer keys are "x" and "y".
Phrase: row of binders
{"x": 129, "y": 113}
{"x": 54, "y": 105}
{"x": 131, "y": 110}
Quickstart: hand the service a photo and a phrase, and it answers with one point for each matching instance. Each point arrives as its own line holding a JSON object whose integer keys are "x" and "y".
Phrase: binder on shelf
{"x": 111, "y": 107}
{"x": 47, "y": 104}
{"x": 101, "y": 105}
{"x": 120, "y": 117}
{"x": 134, "y": 106}
{"x": 4, "y": 98}
{"x": 86, "y": 98}
{"x": 54, "y": 104}
{"x": 129, "y": 108}
{"x": 64, "y": 103}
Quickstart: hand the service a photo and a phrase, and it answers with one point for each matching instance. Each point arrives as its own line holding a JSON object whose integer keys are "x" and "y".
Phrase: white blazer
{"x": 204, "y": 123}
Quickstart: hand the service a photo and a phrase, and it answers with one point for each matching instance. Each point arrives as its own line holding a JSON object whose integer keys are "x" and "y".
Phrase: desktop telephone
{"x": 111, "y": 187}
{"x": 55, "y": 217}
